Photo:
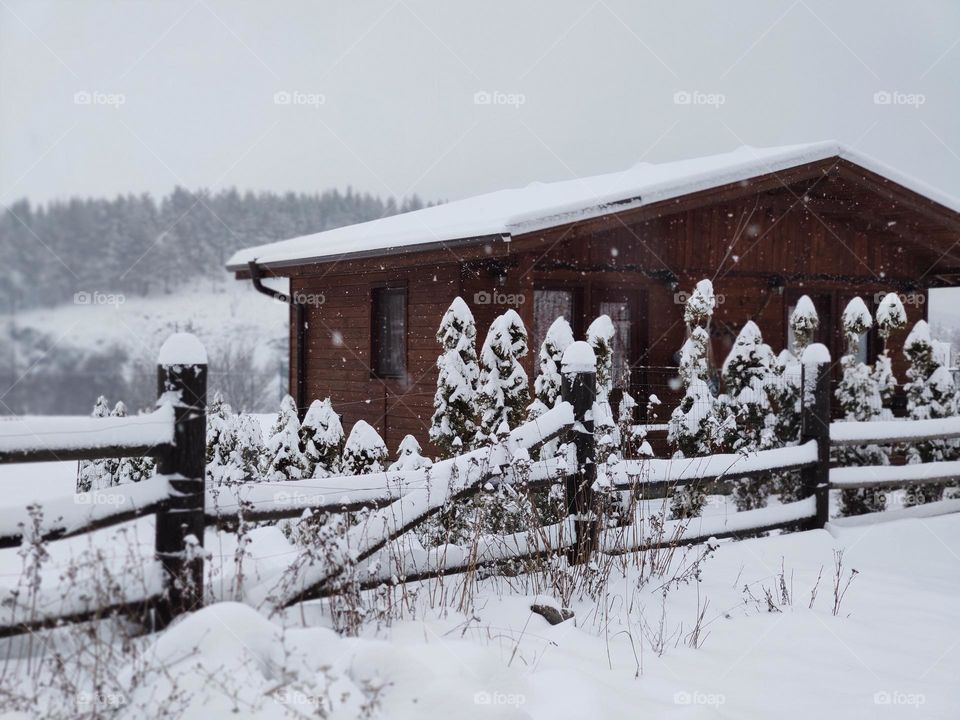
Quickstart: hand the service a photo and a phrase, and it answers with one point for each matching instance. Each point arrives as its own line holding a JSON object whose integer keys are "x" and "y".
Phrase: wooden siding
{"x": 828, "y": 230}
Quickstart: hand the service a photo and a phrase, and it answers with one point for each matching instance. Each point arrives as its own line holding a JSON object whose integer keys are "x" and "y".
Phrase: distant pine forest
{"x": 137, "y": 245}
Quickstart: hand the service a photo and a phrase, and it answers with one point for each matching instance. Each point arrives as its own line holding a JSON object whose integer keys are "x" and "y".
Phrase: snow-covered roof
{"x": 542, "y": 205}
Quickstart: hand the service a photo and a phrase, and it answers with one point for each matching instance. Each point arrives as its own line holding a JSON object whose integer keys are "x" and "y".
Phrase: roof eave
{"x": 241, "y": 267}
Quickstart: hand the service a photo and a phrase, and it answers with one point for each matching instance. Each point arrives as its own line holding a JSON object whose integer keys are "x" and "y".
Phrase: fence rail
{"x": 175, "y": 434}
{"x": 892, "y": 432}
{"x": 50, "y": 439}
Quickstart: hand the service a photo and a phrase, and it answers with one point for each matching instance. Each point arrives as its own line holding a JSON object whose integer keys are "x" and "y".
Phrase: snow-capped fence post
{"x": 579, "y": 388}
{"x": 815, "y": 373}
{"x": 182, "y": 383}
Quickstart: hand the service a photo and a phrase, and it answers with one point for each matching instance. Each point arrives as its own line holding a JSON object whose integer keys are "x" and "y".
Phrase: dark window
{"x": 548, "y": 305}
{"x": 389, "y": 341}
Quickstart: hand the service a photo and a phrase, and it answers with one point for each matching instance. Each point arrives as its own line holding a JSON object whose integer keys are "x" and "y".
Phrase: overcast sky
{"x": 106, "y": 97}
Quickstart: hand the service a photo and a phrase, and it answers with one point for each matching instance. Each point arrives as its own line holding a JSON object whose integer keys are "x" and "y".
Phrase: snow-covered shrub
{"x": 504, "y": 393}
{"x": 224, "y": 464}
{"x": 121, "y": 471}
{"x": 250, "y": 448}
{"x": 321, "y": 440}
{"x": 409, "y": 457}
{"x": 931, "y": 393}
{"x": 804, "y": 322}
{"x": 858, "y": 396}
{"x": 546, "y": 385}
{"x": 785, "y": 392}
{"x": 135, "y": 469}
{"x": 282, "y": 457}
{"x": 749, "y": 419}
{"x": 365, "y": 451}
{"x": 454, "y": 417}
{"x": 217, "y": 413}
{"x": 633, "y": 438}
{"x": 109, "y": 472}
{"x": 600, "y": 336}
{"x": 96, "y": 474}
{"x": 693, "y": 427}
{"x": 891, "y": 317}
{"x": 785, "y": 396}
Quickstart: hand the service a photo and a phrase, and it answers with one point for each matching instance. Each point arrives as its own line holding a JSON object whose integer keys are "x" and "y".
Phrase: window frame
{"x": 376, "y": 292}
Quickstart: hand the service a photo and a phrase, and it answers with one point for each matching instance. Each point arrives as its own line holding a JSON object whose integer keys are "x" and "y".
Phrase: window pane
{"x": 862, "y": 347}
{"x": 548, "y": 305}
{"x": 619, "y": 313}
{"x": 389, "y": 331}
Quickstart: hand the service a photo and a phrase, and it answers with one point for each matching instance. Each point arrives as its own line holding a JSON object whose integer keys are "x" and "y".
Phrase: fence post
{"x": 579, "y": 388}
{"x": 815, "y": 479}
{"x": 182, "y": 382}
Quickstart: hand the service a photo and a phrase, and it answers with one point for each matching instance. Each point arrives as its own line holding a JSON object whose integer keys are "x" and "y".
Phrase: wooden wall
{"x": 746, "y": 245}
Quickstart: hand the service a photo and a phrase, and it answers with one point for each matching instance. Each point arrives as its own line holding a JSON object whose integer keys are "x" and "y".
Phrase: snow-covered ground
{"x": 892, "y": 649}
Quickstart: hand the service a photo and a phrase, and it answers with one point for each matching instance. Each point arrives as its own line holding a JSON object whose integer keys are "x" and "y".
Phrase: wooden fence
{"x": 175, "y": 434}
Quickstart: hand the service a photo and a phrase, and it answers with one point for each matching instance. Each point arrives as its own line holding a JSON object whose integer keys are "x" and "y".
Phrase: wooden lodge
{"x": 765, "y": 225}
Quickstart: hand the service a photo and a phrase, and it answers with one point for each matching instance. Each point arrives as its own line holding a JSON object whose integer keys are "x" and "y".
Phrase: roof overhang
{"x": 277, "y": 267}
{"x": 918, "y": 198}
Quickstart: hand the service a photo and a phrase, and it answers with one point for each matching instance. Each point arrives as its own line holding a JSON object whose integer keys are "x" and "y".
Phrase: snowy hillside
{"x": 101, "y": 340}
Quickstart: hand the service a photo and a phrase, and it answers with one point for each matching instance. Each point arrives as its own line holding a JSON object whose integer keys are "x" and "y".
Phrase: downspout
{"x": 301, "y": 393}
